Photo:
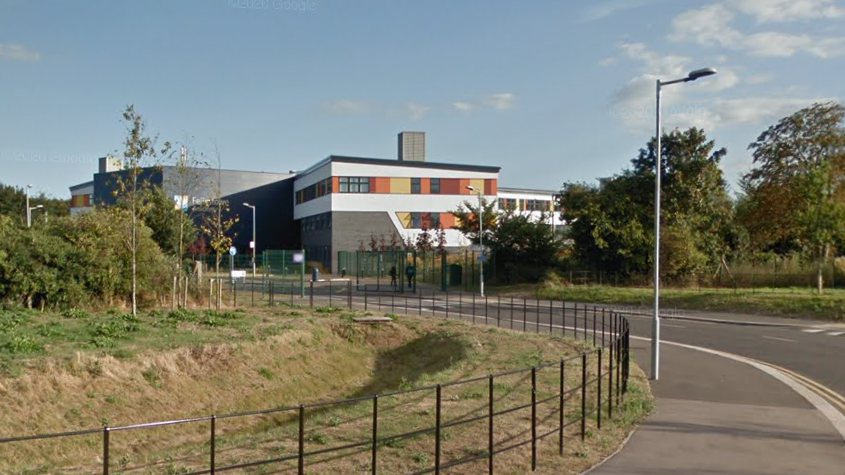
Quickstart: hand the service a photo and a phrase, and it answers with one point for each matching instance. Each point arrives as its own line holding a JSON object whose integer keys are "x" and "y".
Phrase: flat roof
{"x": 81, "y": 185}
{"x": 399, "y": 163}
{"x": 527, "y": 191}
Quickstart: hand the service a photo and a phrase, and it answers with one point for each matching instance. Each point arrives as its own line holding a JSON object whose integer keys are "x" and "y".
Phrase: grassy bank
{"x": 80, "y": 370}
{"x": 790, "y": 302}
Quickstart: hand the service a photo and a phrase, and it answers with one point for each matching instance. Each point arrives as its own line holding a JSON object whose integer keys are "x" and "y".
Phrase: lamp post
{"x": 658, "y": 170}
{"x": 28, "y": 211}
{"x": 253, "y": 238}
{"x": 480, "y": 237}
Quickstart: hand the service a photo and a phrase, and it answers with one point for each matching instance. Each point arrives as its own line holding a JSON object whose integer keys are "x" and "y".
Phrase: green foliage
{"x": 795, "y": 194}
{"x": 75, "y": 261}
{"x": 13, "y": 205}
{"x": 612, "y": 225}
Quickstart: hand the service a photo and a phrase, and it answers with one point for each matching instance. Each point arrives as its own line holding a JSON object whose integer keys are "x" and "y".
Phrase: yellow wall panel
{"x": 405, "y": 219}
{"x": 400, "y": 185}
{"x": 478, "y": 184}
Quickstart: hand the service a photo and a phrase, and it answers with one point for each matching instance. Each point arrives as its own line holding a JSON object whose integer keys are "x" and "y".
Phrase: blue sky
{"x": 550, "y": 91}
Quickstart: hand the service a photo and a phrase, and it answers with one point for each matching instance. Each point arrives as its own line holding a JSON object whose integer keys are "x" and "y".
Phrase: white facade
{"x": 520, "y": 197}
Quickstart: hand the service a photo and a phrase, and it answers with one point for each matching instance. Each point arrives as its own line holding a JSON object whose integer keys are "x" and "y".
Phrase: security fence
{"x": 454, "y": 269}
{"x": 550, "y": 403}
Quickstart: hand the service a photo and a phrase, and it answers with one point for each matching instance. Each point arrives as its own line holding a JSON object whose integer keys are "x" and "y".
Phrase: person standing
{"x": 393, "y": 277}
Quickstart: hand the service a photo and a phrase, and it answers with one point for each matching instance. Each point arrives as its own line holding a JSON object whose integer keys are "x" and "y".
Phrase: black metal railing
{"x": 604, "y": 370}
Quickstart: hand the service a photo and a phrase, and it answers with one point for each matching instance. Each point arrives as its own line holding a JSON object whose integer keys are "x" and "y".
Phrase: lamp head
{"x": 470, "y": 188}
{"x": 700, "y": 73}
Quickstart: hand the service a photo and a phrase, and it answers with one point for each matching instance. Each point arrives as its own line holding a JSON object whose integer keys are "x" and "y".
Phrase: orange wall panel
{"x": 447, "y": 220}
{"x": 462, "y": 186}
{"x": 425, "y": 186}
{"x": 450, "y": 186}
{"x": 490, "y": 187}
{"x": 381, "y": 184}
{"x": 335, "y": 184}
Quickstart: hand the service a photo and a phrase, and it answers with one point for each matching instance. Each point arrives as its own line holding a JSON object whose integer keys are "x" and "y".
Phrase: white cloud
{"x": 608, "y": 61}
{"x": 770, "y": 11}
{"x": 350, "y": 106}
{"x": 606, "y": 9}
{"x": 414, "y": 111}
{"x": 16, "y": 52}
{"x": 502, "y": 100}
{"x": 759, "y": 78}
{"x": 499, "y": 101}
{"x": 711, "y": 25}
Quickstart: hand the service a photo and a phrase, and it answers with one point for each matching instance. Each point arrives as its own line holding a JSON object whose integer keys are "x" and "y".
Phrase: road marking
{"x": 813, "y": 330}
{"x": 779, "y": 339}
{"x": 836, "y": 334}
{"x": 670, "y": 325}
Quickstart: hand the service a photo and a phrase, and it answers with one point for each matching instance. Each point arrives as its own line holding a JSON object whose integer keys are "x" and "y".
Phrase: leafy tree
{"x": 13, "y": 204}
{"x": 131, "y": 187}
{"x": 611, "y": 225}
{"x": 796, "y": 192}
{"x": 216, "y": 221}
{"x": 524, "y": 247}
{"x": 424, "y": 240}
{"x": 466, "y": 217}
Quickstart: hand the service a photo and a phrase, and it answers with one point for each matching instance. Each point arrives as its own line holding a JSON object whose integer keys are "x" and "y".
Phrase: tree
{"x": 216, "y": 221}
{"x": 424, "y": 240}
{"x": 466, "y": 217}
{"x": 132, "y": 187}
{"x": 796, "y": 192}
{"x": 611, "y": 225}
{"x": 13, "y": 204}
{"x": 441, "y": 239}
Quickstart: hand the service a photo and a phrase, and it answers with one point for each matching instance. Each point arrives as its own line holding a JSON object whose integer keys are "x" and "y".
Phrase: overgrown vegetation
{"x": 274, "y": 357}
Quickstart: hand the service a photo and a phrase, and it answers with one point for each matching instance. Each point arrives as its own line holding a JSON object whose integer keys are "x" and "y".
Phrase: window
{"x": 536, "y": 205}
{"x": 415, "y": 186}
{"x": 435, "y": 186}
{"x": 321, "y": 188}
{"x": 354, "y": 184}
{"x": 416, "y": 220}
{"x": 434, "y": 221}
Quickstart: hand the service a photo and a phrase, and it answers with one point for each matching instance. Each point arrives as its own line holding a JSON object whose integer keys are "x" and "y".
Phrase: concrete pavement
{"x": 719, "y": 416}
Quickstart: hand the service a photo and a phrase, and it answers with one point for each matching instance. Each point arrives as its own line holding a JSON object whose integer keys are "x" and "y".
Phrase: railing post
{"x": 106, "y": 450}
{"x": 511, "y": 319}
{"x": 618, "y": 364}
{"x": 311, "y": 295}
{"x": 365, "y": 297}
{"x": 598, "y": 396}
{"x": 419, "y": 300}
{"x": 486, "y": 310}
{"x": 213, "y": 444}
{"x": 252, "y": 291}
{"x": 349, "y": 292}
{"x": 627, "y": 370}
{"x": 437, "y": 434}
{"x": 551, "y": 314}
{"x": 375, "y": 434}
{"x": 490, "y": 425}
{"x": 524, "y": 314}
{"x": 460, "y": 303}
{"x": 301, "y": 458}
{"x": 234, "y": 294}
{"x": 560, "y": 408}
{"x": 563, "y": 324}
{"x": 291, "y": 294}
{"x": 610, "y": 383}
{"x": 270, "y": 295}
{"x": 447, "y": 304}
{"x": 595, "y": 317}
{"x": 583, "y": 396}
{"x": 498, "y": 311}
{"x": 533, "y": 418}
{"x": 602, "y": 326}
{"x": 473, "y": 307}
{"x": 330, "y": 293}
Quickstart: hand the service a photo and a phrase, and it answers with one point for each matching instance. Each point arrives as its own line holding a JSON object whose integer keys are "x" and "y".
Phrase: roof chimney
{"x": 412, "y": 146}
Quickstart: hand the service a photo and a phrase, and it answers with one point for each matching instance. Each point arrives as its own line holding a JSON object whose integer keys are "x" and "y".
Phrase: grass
{"x": 190, "y": 363}
{"x": 783, "y": 302}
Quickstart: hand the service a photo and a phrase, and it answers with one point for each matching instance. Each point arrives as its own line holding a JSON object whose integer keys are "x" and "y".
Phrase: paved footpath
{"x": 719, "y": 416}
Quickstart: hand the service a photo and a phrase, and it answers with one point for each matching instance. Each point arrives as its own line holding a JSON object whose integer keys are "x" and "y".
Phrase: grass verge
{"x": 92, "y": 370}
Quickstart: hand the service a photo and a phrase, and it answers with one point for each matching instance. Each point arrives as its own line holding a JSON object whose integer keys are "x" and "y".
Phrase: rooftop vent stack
{"x": 110, "y": 163}
{"x": 412, "y": 146}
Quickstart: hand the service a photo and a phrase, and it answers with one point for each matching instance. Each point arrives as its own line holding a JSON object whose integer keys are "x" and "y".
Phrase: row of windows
{"x": 321, "y": 188}
{"x": 354, "y": 184}
{"x": 427, "y": 220}
{"x": 434, "y": 186}
{"x": 524, "y": 205}
{"x": 318, "y": 222}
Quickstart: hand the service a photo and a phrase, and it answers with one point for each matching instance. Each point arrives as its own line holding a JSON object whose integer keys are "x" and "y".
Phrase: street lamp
{"x": 253, "y": 238}
{"x": 480, "y": 235}
{"x": 658, "y": 170}
{"x": 28, "y": 210}
{"x": 29, "y": 213}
